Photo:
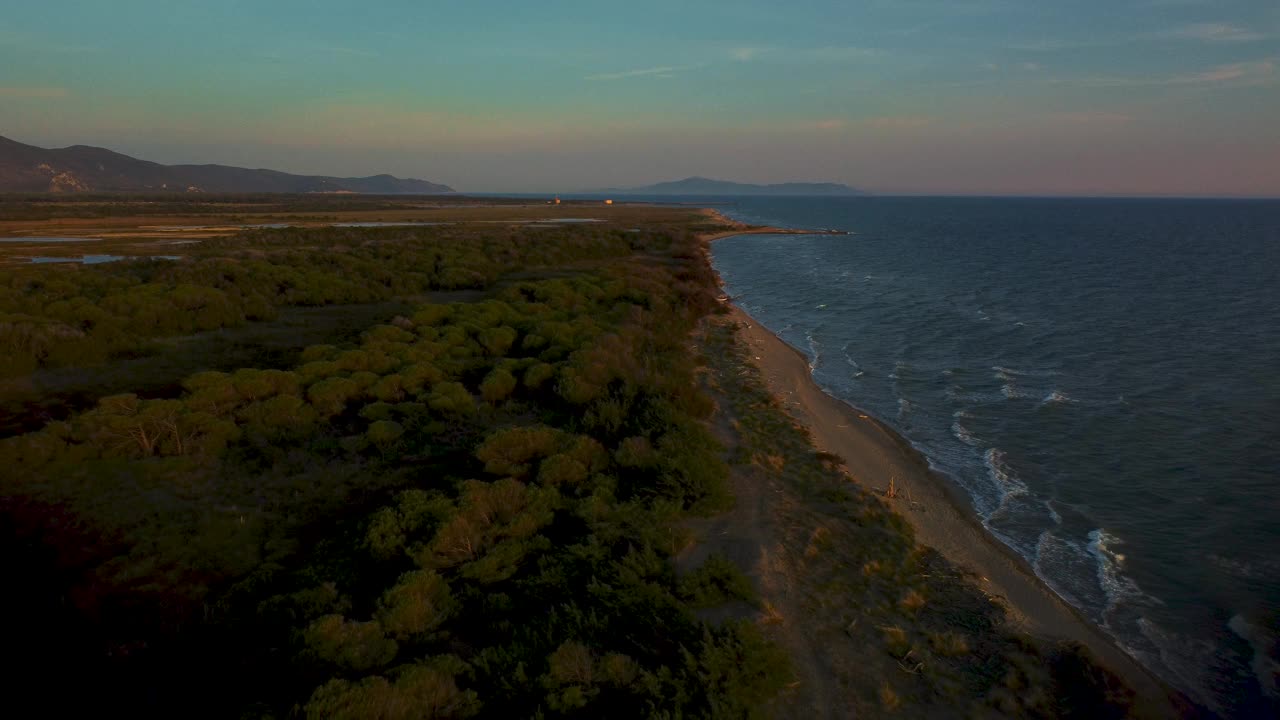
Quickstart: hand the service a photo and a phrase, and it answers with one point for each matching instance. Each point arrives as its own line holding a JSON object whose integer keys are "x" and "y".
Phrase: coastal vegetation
{"x": 481, "y": 508}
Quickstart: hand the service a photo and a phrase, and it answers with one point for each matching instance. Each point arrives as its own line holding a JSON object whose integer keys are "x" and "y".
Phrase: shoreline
{"x": 940, "y": 513}
{"x": 741, "y": 228}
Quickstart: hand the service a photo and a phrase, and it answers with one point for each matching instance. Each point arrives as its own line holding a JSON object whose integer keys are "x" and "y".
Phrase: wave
{"x": 957, "y": 394}
{"x": 1012, "y": 392}
{"x": 1014, "y": 380}
{"x": 1266, "y": 647}
{"x": 962, "y": 433}
{"x": 1118, "y": 587}
{"x": 898, "y": 367}
{"x": 1008, "y": 485}
{"x": 1256, "y": 570}
{"x": 1058, "y": 397}
{"x": 857, "y": 369}
{"x": 1004, "y": 373}
{"x": 1053, "y": 560}
{"x": 815, "y": 351}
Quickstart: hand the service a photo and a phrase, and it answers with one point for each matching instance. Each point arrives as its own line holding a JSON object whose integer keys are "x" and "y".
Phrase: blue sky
{"x": 916, "y": 96}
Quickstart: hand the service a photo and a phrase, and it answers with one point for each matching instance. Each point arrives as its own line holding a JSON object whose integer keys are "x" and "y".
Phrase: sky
{"x": 1040, "y": 97}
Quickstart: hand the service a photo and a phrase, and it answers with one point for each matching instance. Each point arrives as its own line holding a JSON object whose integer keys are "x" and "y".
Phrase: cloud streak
{"x": 1214, "y": 33}
{"x": 898, "y": 122}
{"x": 1256, "y": 72}
{"x": 664, "y": 71}
{"x": 815, "y": 54}
{"x": 1253, "y": 72}
{"x": 747, "y": 54}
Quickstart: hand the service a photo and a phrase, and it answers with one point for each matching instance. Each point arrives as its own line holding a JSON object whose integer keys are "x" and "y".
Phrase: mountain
{"x": 81, "y": 168}
{"x": 707, "y": 186}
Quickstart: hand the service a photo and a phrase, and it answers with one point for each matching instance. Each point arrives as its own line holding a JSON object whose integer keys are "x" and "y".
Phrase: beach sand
{"x": 941, "y": 515}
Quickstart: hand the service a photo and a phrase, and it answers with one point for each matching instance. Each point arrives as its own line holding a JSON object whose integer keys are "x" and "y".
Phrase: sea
{"x": 1101, "y": 377}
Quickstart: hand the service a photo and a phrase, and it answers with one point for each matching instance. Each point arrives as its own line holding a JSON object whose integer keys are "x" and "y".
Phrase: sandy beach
{"x": 941, "y": 515}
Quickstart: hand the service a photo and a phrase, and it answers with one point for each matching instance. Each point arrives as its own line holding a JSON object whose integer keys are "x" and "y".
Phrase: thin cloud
{"x": 838, "y": 53}
{"x": 815, "y": 54}
{"x": 42, "y": 93}
{"x": 664, "y": 71}
{"x": 1214, "y": 32}
{"x": 1257, "y": 72}
{"x": 747, "y": 54}
{"x": 898, "y": 122}
{"x": 1090, "y": 118}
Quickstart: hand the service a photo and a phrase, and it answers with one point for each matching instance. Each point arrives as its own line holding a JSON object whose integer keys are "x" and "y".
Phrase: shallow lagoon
{"x": 99, "y": 259}
{"x": 48, "y": 239}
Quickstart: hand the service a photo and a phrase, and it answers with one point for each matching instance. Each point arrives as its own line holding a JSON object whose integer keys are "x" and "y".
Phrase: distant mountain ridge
{"x": 82, "y": 168}
{"x": 708, "y": 186}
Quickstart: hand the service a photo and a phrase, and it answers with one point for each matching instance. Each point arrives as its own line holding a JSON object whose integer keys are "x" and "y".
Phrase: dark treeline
{"x": 470, "y": 513}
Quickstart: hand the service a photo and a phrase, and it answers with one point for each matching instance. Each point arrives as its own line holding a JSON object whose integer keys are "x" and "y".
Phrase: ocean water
{"x": 1102, "y": 377}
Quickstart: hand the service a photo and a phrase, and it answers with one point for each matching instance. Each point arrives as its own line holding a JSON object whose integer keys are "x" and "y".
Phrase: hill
{"x": 708, "y": 186}
{"x": 82, "y": 168}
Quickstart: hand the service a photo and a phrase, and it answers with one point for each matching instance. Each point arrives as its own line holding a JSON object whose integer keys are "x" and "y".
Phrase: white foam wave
{"x": 1007, "y": 484}
{"x": 904, "y": 407}
{"x": 1118, "y": 587}
{"x": 898, "y": 367}
{"x": 960, "y": 431}
{"x": 1053, "y": 513}
{"x": 1005, "y": 373}
{"x": 815, "y": 351}
{"x": 1266, "y": 648}
{"x": 1057, "y": 396}
{"x": 857, "y": 369}
{"x": 1012, "y": 391}
{"x": 956, "y": 393}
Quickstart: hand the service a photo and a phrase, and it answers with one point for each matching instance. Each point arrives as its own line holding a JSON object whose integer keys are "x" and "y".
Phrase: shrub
{"x": 716, "y": 582}
{"x": 497, "y": 386}
{"x": 510, "y": 452}
{"x": 384, "y": 432}
{"x": 418, "y": 604}
{"x": 358, "y": 646}
{"x": 427, "y": 691}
